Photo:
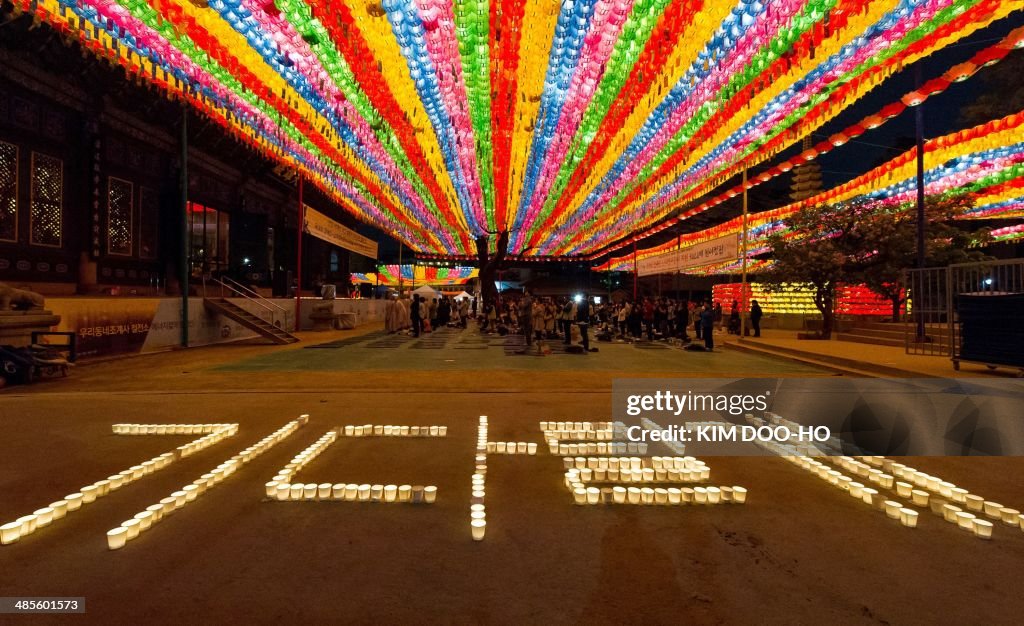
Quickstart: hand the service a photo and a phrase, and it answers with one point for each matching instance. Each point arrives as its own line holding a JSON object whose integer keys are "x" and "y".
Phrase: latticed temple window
{"x": 119, "y": 216}
{"x": 46, "y": 210}
{"x": 8, "y": 192}
{"x": 149, "y": 215}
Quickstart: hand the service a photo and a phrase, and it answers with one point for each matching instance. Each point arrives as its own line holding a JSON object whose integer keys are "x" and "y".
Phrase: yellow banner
{"x": 323, "y": 227}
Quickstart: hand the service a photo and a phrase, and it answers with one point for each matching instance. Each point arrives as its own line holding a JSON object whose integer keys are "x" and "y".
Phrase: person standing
{"x": 526, "y": 317}
{"x": 416, "y": 313}
{"x": 707, "y": 327}
{"x": 568, "y": 309}
{"x": 755, "y": 317}
{"x": 649, "y": 318}
{"x": 584, "y": 312}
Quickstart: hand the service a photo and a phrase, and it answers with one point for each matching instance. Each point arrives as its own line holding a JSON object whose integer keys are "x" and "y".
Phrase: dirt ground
{"x": 799, "y": 551}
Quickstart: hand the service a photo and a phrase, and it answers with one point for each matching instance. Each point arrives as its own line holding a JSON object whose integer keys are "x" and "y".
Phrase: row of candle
{"x": 207, "y": 440}
{"x": 144, "y": 520}
{"x": 967, "y": 521}
{"x": 939, "y": 496}
{"x": 580, "y": 435}
{"x": 378, "y": 430}
{"x": 28, "y": 524}
{"x": 646, "y": 475}
{"x": 511, "y": 447}
{"x": 687, "y": 463}
{"x": 576, "y": 426}
{"x": 658, "y": 495}
{"x": 919, "y": 497}
{"x": 351, "y": 492}
{"x": 477, "y": 514}
{"x": 300, "y": 460}
{"x": 868, "y": 495}
{"x": 612, "y": 447}
{"x": 168, "y": 429}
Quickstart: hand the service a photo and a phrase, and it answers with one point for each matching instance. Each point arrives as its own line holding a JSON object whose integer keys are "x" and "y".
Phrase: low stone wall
{"x": 111, "y": 326}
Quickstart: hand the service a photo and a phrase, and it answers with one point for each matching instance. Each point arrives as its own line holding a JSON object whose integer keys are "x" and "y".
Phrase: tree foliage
{"x": 865, "y": 241}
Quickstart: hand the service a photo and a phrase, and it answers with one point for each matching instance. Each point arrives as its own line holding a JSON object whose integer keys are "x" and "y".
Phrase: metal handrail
{"x": 243, "y": 291}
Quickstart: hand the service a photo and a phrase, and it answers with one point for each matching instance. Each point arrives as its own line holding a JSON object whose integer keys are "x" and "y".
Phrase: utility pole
{"x": 183, "y": 270}
{"x": 919, "y": 127}
{"x": 743, "y": 281}
{"x": 298, "y": 259}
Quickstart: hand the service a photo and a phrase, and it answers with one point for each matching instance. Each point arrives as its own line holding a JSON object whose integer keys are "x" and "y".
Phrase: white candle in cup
{"x": 157, "y": 510}
{"x": 908, "y": 517}
{"x": 579, "y": 495}
{"x": 892, "y": 509}
{"x": 404, "y": 493}
{"x": 338, "y": 491}
{"x": 145, "y": 520}
{"x": 390, "y": 493}
{"x": 43, "y": 516}
{"x": 920, "y": 497}
{"x": 117, "y": 537}
{"x": 646, "y": 495}
{"x": 982, "y": 528}
{"x": 714, "y": 495}
{"x": 323, "y": 491}
{"x": 660, "y": 495}
{"x": 132, "y": 527}
{"x": 949, "y": 512}
{"x": 376, "y": 493}
{"x": 28, "y": 524}
{"x": 351, "y": 492}
{"x": 180, "y": 498}
{"x": 479, "y": 527}
{"x": 364, "y": 492}
{"x": 618, "y": 495}
{"x": 965, "y": 520}
{"x": 700, "y": 495}
{"x": 74, "y": 501}
{"x": 191, "y": 492}
{"x": 1008, "y": 515}
{"x": 168, "y": 505}
{"x": 59, "y": 508}
{"x": 10, "y": 532}
{"x": 974, "y": 503}
{"x": 271, "y": 489}
{"x": 89, "y": 494}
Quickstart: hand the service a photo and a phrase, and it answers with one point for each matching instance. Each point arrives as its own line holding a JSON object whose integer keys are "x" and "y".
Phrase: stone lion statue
{"x": 13, "y": 299}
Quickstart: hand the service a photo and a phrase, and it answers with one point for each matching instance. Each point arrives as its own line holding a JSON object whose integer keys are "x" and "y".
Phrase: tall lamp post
{"x": 298, "y": 259}
{"x": 743, "y": 260}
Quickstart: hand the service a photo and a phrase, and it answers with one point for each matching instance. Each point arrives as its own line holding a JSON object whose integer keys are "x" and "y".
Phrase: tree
{"x": 489, "y": 265}
{"x": 866, "y": 241}
{"x": 893, "y": 237}
{"x": 821, "y": 246}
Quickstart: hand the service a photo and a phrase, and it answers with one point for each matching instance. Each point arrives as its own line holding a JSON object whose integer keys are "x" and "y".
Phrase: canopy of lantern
{"x": 986, "y": 161}
{"x": 570, "y": 125}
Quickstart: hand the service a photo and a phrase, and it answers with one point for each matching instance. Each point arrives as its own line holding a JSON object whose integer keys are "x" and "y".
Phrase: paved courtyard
{"x": 798, "y": 551}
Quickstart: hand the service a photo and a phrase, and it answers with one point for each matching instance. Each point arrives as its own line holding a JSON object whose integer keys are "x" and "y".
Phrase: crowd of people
{"x": 571, "y": 319}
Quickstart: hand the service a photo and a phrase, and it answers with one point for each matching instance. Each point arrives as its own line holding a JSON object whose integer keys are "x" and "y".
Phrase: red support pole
{"x": 298, "y": 257}
{"x": 636, "y": 274}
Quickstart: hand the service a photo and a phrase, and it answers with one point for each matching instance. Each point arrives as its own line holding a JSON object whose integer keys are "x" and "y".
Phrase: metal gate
{"x": 933, "y": 296}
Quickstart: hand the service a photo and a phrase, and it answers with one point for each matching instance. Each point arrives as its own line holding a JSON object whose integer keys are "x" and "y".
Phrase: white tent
{"x": 428, "y": 292}
{"x": 464, "y": 294}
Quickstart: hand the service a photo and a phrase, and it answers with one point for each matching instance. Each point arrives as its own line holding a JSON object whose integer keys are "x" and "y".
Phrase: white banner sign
{"x": 724, "y": 248}
{"x": 323, "y": 227}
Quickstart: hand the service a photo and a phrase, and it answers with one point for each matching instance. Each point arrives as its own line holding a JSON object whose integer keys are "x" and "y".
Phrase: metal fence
{"x": 934, "y": 295}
